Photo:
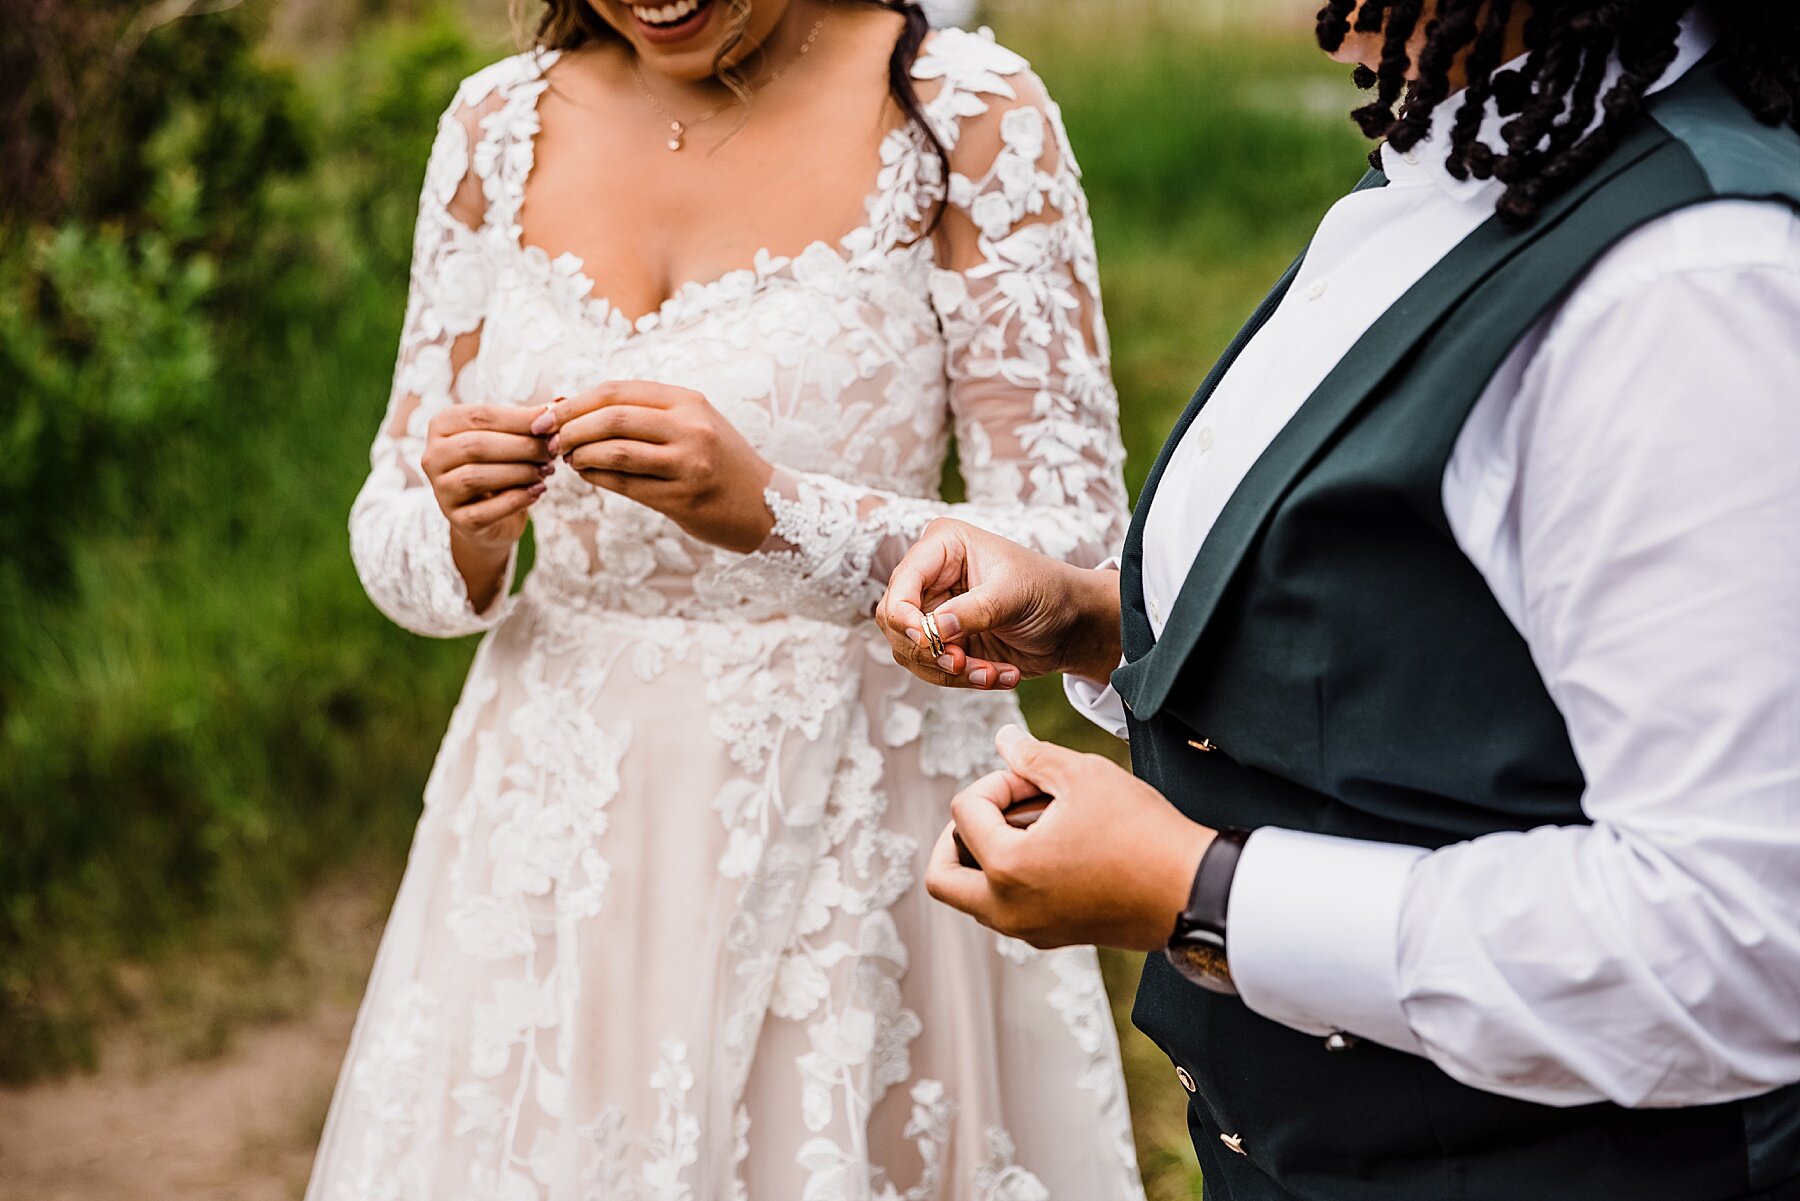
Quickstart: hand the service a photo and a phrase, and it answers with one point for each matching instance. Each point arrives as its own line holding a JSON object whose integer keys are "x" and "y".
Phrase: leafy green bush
{"x": 198, "y": 708}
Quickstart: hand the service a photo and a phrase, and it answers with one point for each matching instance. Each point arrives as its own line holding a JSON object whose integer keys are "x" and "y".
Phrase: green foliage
{"x": 198, "y": 709}
{"x": 105, "y": 338}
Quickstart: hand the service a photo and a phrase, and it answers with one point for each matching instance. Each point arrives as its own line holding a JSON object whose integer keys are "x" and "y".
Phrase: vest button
{"x": 1187, "y": 1081}
{"x": 1337, "y": 1040}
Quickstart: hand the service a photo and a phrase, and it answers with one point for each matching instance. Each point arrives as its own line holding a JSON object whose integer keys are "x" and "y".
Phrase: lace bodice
{"x": 848, "y": 365}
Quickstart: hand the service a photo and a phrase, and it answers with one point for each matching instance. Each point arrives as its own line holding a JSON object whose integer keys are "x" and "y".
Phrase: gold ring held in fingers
{"x": 932, "y": 636}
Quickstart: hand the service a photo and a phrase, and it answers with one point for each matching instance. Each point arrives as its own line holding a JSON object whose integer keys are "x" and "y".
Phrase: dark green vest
{"x": 1358, "y": 678}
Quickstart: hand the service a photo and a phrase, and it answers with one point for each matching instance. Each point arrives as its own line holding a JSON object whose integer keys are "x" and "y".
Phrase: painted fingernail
{"x": 979, "y": 677}
{"x": 536, "y": 489}
{"x": 946, "y": 663}
{"x": 555, "y": 443}
{"x": 545, "y": 421}
{"x": 948, "y": 626}
{"x": 1008, "y": 678}
{"x": 544, "y": 469}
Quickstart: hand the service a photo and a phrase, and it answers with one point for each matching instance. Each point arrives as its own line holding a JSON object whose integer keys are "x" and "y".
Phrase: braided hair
{"x": 1554, "y": 95}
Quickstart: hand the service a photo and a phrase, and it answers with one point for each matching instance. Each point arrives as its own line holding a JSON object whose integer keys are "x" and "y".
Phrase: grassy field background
{"x": 203, "y": 722}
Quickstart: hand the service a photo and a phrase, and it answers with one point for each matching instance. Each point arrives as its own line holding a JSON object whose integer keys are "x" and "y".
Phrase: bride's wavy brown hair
{"x": 567, "y": 24}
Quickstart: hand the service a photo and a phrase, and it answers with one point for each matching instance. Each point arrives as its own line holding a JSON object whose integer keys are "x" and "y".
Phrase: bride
{"x": 662, "y": 932}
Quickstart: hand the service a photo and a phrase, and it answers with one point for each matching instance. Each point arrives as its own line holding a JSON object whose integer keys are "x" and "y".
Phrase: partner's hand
{"x": 1005, "y": 613}
{"x": 486, "y": 469}
{"x": 669, "y": 449}
{"x": 1110, "y": 862}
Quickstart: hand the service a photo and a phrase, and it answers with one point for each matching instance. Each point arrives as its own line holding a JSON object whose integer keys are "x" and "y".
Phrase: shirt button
{"x": 1187, "y": 1081}
{"x": 1317, "y": 290}
{"x": 1156, "y": 612}
{"x": 1205, "y": 437}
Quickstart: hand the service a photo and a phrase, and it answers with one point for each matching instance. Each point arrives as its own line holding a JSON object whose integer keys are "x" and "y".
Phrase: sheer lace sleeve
{"x": 399, "y": 538}
{"x": 1017, "y": 294}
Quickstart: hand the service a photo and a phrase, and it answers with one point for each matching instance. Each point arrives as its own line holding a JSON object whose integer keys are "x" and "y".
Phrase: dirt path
{"x": 237, "y": 1128}
{"x": 240, "y": 1125}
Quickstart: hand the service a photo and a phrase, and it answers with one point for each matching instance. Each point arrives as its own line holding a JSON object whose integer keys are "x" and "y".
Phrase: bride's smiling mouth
{"x": 674, "y": 21}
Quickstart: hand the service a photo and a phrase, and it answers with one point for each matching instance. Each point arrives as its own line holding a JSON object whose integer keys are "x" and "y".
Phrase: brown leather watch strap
{"x": 1211, "y": 894}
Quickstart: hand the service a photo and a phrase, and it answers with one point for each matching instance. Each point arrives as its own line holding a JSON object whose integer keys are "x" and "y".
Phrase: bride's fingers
{"x": 553, "y": 416}
{"x": 618, "y": 456}
{"x": 637, "y": 423}
{"x": 474, "y": 481}
{"x": 475, "y": 517}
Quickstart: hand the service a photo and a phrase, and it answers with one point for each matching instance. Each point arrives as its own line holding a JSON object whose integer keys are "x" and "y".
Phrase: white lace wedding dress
{"x": 662, "y": 934}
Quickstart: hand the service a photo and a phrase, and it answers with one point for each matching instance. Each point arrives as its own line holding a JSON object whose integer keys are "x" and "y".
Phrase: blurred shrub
{"x": 200, "y": 292}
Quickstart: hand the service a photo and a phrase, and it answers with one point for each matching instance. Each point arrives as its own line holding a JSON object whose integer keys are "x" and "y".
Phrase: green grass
{"x": 210, "y": 720}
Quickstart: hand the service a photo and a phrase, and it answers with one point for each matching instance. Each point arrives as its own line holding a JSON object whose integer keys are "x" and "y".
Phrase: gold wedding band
{"x": 931, "y": 634}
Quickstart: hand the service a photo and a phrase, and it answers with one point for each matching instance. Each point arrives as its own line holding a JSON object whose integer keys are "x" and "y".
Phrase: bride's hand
{"x": 1004, "y": 612}
{"x": 669, "y": 449}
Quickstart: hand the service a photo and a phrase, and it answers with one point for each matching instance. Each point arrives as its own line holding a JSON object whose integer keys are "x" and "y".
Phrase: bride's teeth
{"x": 669, "y": 13}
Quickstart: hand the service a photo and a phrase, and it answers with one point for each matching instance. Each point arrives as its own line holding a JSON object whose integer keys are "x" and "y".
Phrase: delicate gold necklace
{"x": 678, "y": 128}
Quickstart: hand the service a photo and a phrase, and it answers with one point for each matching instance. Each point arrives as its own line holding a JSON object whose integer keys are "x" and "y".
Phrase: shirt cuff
{"x": 1313, "y": 933}
{"x": 1101, "y": 705}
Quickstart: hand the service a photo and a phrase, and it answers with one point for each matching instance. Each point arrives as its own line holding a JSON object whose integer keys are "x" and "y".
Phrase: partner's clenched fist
{"x": 669, "y": 449}
{"x": 1004, "y": 612}
{"x": 1110, "y": 862}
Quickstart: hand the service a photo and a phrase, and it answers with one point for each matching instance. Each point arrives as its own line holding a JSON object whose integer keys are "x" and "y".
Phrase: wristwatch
{"x": 1197, "y": 948}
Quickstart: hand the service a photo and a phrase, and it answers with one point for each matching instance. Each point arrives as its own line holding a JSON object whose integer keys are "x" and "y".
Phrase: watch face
{"x": 1202, "y": 962}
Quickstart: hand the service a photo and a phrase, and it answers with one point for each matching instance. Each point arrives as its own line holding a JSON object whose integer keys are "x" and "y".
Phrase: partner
{"x": 1457, "y": 642}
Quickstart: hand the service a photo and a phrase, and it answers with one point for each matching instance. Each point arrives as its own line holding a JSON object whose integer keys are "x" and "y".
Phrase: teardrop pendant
{"x": 676, "y": 129}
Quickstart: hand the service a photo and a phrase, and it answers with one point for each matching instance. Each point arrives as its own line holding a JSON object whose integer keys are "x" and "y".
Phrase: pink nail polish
{"x": 544, "y": 469}
{"x": 536, "y": 489}
{"x": 545, "y": 421}
{"x": 556, "y": 444}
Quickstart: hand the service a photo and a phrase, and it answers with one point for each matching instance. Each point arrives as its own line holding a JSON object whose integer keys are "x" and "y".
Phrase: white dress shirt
{"x": 1629, "y": 487}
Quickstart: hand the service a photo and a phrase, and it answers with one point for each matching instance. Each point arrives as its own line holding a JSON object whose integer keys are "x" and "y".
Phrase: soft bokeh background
{"x": 211, "y": 745}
